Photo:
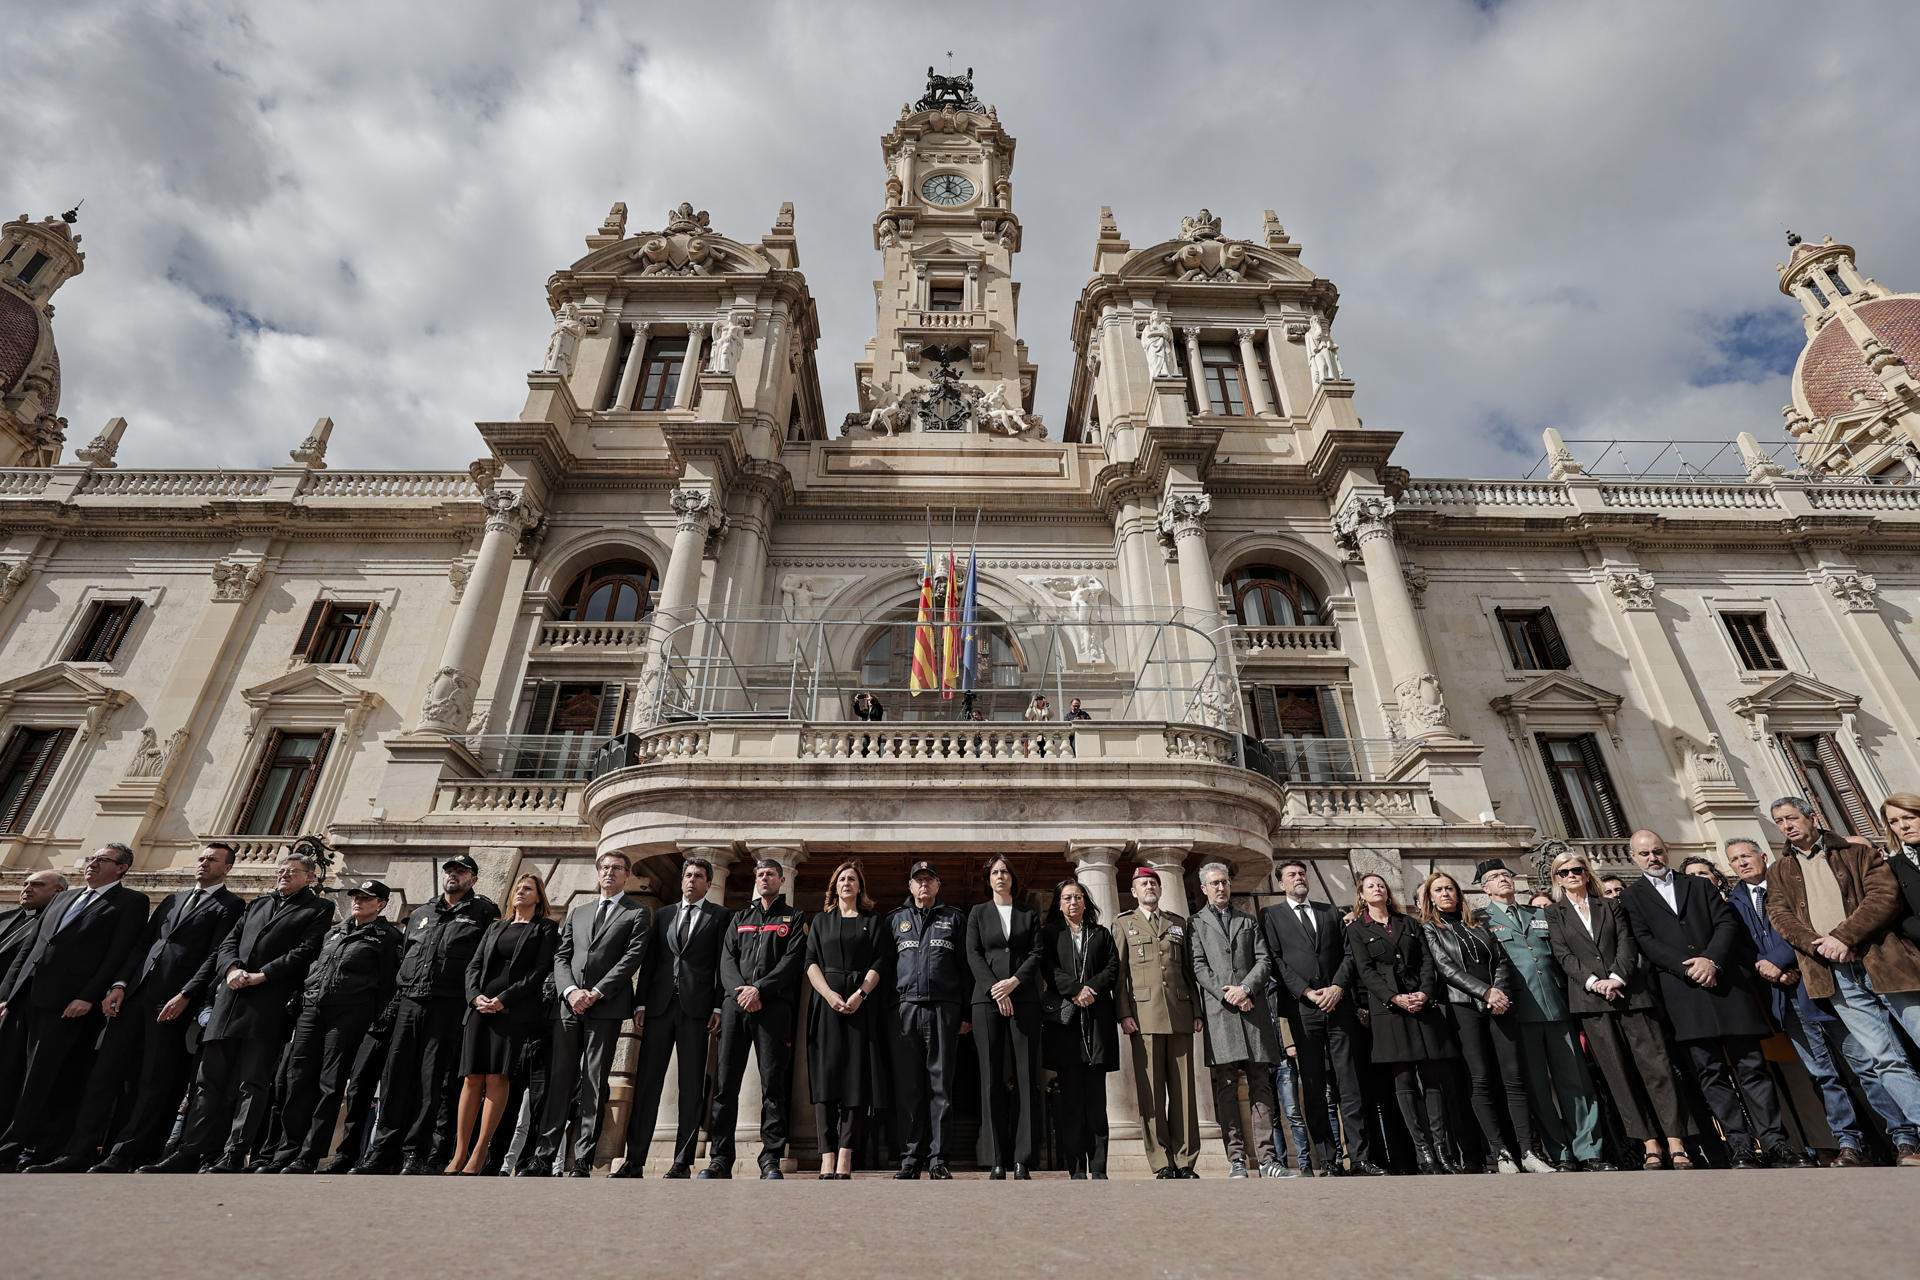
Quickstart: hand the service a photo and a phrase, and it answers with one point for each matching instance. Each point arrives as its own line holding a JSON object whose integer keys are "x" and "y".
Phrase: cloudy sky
{"x": 1537, "y": 214}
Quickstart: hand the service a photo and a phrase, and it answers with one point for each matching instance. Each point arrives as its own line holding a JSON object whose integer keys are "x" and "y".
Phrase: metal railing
{"x": 1318, "y": 760}
{"x": 546, "y": 757}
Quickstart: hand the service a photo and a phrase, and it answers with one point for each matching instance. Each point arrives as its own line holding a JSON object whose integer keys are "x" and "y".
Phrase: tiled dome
{"x": 1832, "y": 368}
{"x": 19, "y": 336}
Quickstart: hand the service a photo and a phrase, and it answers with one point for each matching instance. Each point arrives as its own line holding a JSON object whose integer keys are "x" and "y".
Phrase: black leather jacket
{"x": 441, "y": 940}
{"x": 1470, "y": 962}
{"x": 356, "y": 963}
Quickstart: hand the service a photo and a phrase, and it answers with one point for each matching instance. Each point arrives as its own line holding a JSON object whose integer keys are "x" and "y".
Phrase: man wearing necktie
{"x": 16, "y": 931}
{"x": 54, "y": 989}
{"x": 143, "y": 1065}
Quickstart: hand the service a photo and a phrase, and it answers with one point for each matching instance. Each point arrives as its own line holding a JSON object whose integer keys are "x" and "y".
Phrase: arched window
{"x": 611, "y": 591}
{"x": 887, "y": 666}
{"x": 1267, "y": 596}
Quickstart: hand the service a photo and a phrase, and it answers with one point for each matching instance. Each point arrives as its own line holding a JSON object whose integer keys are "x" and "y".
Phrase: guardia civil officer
{"x": 760, "y": 966}
{"x": 350, "y": 983}
{"x": 931, "y": 984}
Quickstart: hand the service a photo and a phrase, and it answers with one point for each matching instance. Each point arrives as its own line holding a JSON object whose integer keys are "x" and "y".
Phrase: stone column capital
{"x": 1855, "y": 591}
{"x": 507, "y": 510}
{"x": 1246, "y": 333}
{"x": 1182, "y": 515}
{"x": 1363, "y": 518}
{"x": 696, "y": 510}
{"x": 1631, "y": 585}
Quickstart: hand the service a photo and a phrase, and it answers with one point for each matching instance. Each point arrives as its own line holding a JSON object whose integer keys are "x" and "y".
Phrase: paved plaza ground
{"x": 1569, "y": 1226}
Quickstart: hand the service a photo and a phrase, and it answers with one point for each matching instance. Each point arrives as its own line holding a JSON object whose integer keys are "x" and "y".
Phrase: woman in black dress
{"x": 504, "y": 1008}
{"x": 1003, "y": 950}
{"x": 1079, "y": 1038}
{"x": 1411, "y": 1035}
{"x": 846, "y": 953}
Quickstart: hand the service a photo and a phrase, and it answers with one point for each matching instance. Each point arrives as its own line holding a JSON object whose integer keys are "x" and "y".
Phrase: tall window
{"x": 32, "y": 269}
{"x": 946, "y": 297}
{"x": 612, "y": 591}
{"x": 660, "y": 374}
{"x": 1839, "y": 285}
{"x": 1827, "y": 781}
{"x": 27, "y": 764}
{"x": 106, "y": 626}
{"x": 1814, "y": 289}
{"x": 886, "y": 668}
{"x": 1748, "y": 631}
{"x": 1589, "y": 806}
{"x": 283, "y": 782}
{"x": 335, "y": 632}
{"x": 1267, "y": 596}
{"x": 1533, "y": 639}
{"x": 1226, "y": 387}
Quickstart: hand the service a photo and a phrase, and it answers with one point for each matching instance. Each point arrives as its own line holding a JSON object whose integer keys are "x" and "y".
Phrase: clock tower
{"x": 946, "y": 353}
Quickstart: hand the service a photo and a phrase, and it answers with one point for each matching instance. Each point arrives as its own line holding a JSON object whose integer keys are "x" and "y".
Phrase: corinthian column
{"x": 1196, "y": 371}
{"x": 1364, "y": 519}
{"x": 1257, "y": 396}
{"x": 1182, "y": 517}
{"x": 449, "y": 701}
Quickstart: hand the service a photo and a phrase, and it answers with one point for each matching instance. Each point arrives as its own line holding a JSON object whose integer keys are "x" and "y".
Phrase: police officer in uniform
{"x": 1160, "y": 1010}
{"x": 348, "y": 986}
{"x": 423, "y": 1054}
{"x": 760, "y": 962}
{"x": 931, "y": 985}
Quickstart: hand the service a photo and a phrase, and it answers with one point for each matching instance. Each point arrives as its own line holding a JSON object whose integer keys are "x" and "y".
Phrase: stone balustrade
{"x": 255, "y": 850}
{"x": 593, "y": 635}
{"x": 510, "y": 800}
{"x": 176, "y": 484}
{"x": 389, "y": 484}
{"x": 1721, "y": 497}
{"x": 1258, "y": 642}
{"x": 1358, "y": 803}
{"x": 933, "y": 743}
{"x": 946, "y": 320}
{"x": 1608, "y": 853}
{"x": 1485, "y": 493}
{"x": 24, "y": 481}
{"x": 1863, "y": 497}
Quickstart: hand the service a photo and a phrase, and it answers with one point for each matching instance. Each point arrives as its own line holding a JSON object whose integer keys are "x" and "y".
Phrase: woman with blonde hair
{"x": 1607, "y": 990}
{"x": 1411, "y": 1036}
{"x": 1475, "y": 972}
{"x": 1900, "y": 813}
{"x": 504, "y": 1010}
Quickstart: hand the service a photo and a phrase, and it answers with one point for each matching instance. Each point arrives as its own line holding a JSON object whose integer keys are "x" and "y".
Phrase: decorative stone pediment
{"x": 310, "y": 695}
{"x": 1795, "y": 699}
{"x": 61, "y": 692}
{"x": 1210, "y": 258}
{"x": 1558, "y": 700}
{"x": 686, "y": 246}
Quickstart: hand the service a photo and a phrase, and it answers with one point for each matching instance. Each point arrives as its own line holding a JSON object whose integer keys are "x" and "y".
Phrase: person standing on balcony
{"x": 1230, "y": 966}
{"x": 1557, "y": 1077}
{"x": 679, "y": 1009}
{"x": 1003, "y": 951}
{"x": 760, "y": 982}
{"x": 1159, "y": 1009}
{"x": 1038, "y": 708}
{"x": 1308, "y": 948}
{"x": 602, "y": 944}
{"x": 867, "y": 707}
{"x": 414, "y": 1127}
{"x": 931, "y": 983}
{"x": 1077, "y": 712}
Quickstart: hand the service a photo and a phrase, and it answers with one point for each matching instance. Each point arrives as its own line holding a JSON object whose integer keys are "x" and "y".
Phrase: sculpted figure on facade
{"x": 1423, "y": 708}
{"x": 996, "y": 417}
{"x": 1323, "y": 356}
{"x": 1082, "y": 594}
{"x": 729, "y": 333}
{"x": 1156, "y": 338}
{"x": 10, "y": 583}
{"x": 891, "y": 413}
{"x": 233, "y": 581}
{"x": 568, "y": 328}
{"x": 448, "y": 705}
{"x": 1854, "y": 591}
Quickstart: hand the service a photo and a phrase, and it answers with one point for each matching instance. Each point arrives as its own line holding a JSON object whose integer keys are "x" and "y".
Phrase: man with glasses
{"x": 54, "y": 989}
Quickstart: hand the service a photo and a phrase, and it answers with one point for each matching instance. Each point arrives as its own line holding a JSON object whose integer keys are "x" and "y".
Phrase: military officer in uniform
{"x": 931, "y": 985}
{"x": 1556, "y": 1073}
{"x": 1159, "y": 1010}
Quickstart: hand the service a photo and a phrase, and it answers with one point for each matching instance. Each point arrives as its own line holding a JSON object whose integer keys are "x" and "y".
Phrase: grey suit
{"x": 600, "y": 954}
{"x": 1233, "y": 953}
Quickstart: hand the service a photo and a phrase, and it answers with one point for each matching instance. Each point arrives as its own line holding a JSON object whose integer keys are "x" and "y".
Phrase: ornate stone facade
{"x": 1260, "y": 610}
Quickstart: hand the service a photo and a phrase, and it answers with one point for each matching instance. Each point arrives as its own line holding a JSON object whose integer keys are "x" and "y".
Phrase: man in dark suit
{"x": 1307, "y": 946}
{"x": 258, "y": 967}
{"x": 679, "y": 998}
{"x": 55, "y": 986}
{"x": 142, "y": 1067}
{"x": 602, "y": 945}
{"x": 1690, "y": 937}
{"x": 16, "y": 930}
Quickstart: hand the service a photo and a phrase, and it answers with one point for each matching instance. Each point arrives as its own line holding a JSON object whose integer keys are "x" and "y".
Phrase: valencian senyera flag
{"x": 926, "y": 674}
{"x": 950, "y": 632}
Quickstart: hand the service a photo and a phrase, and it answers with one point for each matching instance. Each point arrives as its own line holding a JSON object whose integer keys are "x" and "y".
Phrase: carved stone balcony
{"x": 1360, "y": 804}
{"x": 1255, "y": 644}
{"x": 614, "y": 639}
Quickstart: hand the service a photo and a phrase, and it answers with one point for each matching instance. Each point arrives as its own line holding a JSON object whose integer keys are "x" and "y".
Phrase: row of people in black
{"x": 433, "y": 1035}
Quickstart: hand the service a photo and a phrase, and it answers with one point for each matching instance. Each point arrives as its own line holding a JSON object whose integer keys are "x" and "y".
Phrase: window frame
{"x": 296, "y": 803}
{"x": 667, "y": 367}
{"x": 1601, "y": 795}
{"x": 1512, "y": 622}
{"x": 584, "y": 583}
{"x": 939, "y": 291}
{"x": 1241, "y": 581}
{"x": 1217, "y": 359}
{"x": 50, "y": 744}
{"x": 1829, "y": 783}
{"x": 1717, "y": 607}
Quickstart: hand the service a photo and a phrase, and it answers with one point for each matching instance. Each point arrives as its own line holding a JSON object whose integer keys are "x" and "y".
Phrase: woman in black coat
{"x": 847, "y": 953}
{"x": 1411, "y": 1036}
{"x": 1607, "y": 990}
{"x": 504, "y": 1008}
{"x": 1475, "y": 976}
{"x": 1079, "y": 1036}
{"x": 1003, "y": 950}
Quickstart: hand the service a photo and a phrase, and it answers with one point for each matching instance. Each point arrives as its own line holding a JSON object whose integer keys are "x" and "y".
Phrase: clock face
{"x": 947, "y": 188}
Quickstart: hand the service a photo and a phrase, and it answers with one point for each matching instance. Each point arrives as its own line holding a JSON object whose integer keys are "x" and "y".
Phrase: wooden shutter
{"x": 1611, "y": 810}
{"x": 1266, "y": 712}
{"x": 1510, "y": 632}
{"x": 303, "y": 648}
{"x": 244, "y": 818}
{"x": 298, "y": 813}
{"x": 361, "y": 632}
{"x": 36, "y": 753}
{"x": 612, "y": 695}
{"x": 1859, "y": 814}
{"x": 540, "y": 718}
{"x": 1569, "y": 818}
{"x": 1556, "y": 648}
{"x": 1802, "y": 783}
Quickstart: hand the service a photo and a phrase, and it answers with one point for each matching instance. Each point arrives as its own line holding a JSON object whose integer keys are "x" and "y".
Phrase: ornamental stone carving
{"x": 233, "y": 582}
{"x": 99, "y": 452}
{"x": 311, "y": 453}
{"x": 1633, "y": 588}
{"x": 683, "y": 249}
{"x": 506, "y": 510}
{"x": 459, "y": 573}
{"x": 449, "y": 701}
{"x": 1156, "y": 338}
{"x": 1854, "y": 591}
{"x": 1423, "y": 708}
{"x": 729, "y": 334}
{"x": 151, "y": 757}
{"x": 1204, "y": 255}
{"x": 1323, "y": 355}
{"x": 568, "y": 328}
{"x": 1417, "y": 581}
{"x": 10, "y": 584}
{"x": 695, "y": 510}
{"x": 1362, "y": 518}
{"x": 1182, "y": 514}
